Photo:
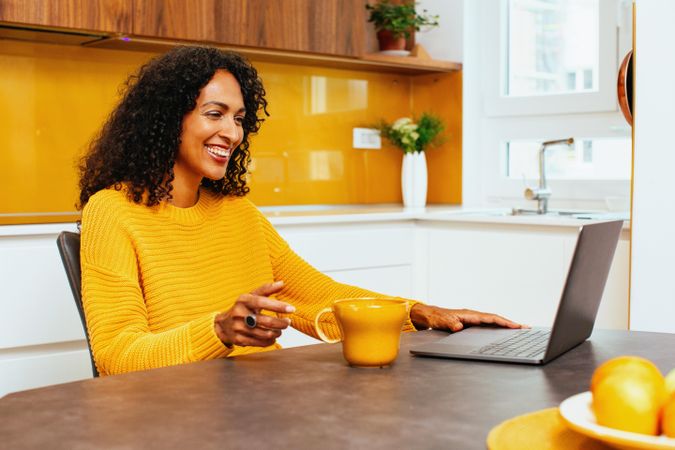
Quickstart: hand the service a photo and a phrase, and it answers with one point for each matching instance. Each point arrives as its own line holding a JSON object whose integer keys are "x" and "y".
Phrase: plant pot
{"x": 414, "y": 180}
{"x": 387, "y": 41}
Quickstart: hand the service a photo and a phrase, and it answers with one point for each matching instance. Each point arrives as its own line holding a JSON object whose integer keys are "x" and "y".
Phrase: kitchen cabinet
{"x": 325, "y": 33}
{"x": 82, "y": 15}
{"x": 334, "y": 27}
{"x": 515, "y": 271}
{"x": 42, "y": 340}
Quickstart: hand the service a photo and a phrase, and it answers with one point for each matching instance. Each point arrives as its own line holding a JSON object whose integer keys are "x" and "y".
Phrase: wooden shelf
{"x": 413, "y": 63}
{"x": 374, "y": 62}
{"x": 407, "y": 65}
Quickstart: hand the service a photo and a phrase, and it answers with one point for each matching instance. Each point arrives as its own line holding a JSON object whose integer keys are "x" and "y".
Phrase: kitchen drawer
{"x": 37, "y": 305}
{"x": 43, "y": 365}
{"x": 351, "y": 246}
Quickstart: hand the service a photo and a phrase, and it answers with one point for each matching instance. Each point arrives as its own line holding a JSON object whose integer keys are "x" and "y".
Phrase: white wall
{"x": 472, "y": 193}
{"x": 444, "y": 42}
{"x": 653, "y": 242}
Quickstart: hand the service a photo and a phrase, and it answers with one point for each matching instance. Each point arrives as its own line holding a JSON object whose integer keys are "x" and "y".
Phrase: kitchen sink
{"x": 553, "y": 212}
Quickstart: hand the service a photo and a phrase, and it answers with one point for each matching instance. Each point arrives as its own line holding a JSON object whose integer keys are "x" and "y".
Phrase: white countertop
{"x": 315, "y": 214}
{"x": 362, "y": 213}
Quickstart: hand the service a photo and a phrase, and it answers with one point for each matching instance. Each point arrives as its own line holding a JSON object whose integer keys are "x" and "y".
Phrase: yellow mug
{"x": 371, "y": 329}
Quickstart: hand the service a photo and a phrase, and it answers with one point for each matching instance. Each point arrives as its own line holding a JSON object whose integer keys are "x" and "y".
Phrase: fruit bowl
{"x": 577, "y": 413}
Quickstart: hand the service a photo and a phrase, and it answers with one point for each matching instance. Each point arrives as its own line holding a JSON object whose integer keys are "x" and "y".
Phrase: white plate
{"x": 395, "y": 52}
{"x": 576, "y": 411}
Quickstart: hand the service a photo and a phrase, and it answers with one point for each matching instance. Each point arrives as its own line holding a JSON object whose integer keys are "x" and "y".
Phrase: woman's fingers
{"x": 506, "y": 323}
{"x": 269, "y": 288}
{"x": 237, "y": 327}
{"x": 470, "y": 317}
{"x": 262, "y": 334}
{"x": 255, "y": 303}
{"x": 455, "y": 319}
{"x": 247, "y": 341}
{"x": 272, "y": 323}
{"x": 238, "y": 333}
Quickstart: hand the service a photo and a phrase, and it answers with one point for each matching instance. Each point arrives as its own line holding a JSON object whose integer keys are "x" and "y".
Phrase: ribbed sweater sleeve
{"x": 309, "y": 290}
{"x": 113, "y": 299}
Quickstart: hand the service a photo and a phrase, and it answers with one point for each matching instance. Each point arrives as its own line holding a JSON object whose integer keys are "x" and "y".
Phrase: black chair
{"x": 69, "y": 249}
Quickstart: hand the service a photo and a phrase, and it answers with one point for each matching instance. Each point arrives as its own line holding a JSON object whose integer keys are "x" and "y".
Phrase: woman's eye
{"x": 213, "y": 115}
{"x": 239, "y": 120}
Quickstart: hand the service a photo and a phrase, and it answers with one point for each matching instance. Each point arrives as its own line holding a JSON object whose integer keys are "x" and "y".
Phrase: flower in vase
{"x": 413, "y": 137}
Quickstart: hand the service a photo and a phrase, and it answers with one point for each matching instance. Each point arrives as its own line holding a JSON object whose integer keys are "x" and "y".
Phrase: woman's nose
{"x": 229, "y": 129}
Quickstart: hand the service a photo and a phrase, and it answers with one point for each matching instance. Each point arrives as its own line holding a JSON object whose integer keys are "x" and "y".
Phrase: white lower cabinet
{"x": 514, "y": 270}
{"x": 378, "y": 257}
{"x": 41, "y": 336}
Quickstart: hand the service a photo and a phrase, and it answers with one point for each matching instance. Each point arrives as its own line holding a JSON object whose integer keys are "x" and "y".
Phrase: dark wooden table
{"x": 307, "y": 397}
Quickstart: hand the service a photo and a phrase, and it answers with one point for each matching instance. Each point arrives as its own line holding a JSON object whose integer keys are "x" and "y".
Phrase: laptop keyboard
{"x": 527, "y": 343}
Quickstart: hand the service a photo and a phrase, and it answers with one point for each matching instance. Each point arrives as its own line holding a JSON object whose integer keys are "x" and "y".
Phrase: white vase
{"x": 414, "y": 180}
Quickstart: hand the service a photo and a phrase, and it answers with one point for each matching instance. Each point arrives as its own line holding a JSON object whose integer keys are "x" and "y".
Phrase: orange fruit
{"x": 670, "y": 382}
{"x": 668, "y": 420}
{"x": 630, "y": 364}
{"x": 629, "y": 401}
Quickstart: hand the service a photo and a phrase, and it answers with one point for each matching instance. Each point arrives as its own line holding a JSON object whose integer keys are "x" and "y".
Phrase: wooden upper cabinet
{"x": 89, "y": 15}
{"x": 334, "y": 27}
{"x": 194, "y": 20}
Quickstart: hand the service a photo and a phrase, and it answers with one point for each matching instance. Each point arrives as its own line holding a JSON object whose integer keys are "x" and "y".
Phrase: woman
{"x": 177, "y": 265}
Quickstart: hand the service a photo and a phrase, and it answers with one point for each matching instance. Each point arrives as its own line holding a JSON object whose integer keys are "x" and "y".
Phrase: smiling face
{"x": 210, "y": 134}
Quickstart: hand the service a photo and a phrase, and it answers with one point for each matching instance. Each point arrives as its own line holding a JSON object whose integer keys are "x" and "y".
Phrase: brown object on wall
{"x": 91, "y": 15}
{"x": 335, "y": 27}
{"x": 332, "y": 27}
{"x": 624, "y": 87}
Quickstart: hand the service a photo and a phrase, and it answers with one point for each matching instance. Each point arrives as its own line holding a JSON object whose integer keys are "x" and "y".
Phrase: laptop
{"x": 573, "y": 324}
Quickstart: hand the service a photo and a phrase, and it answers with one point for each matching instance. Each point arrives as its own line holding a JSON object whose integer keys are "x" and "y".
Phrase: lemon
{"x": 629, "y": 401}
{"x": 629, "y": 364}
{"x": 670, "y": 382}
{"x": 668, "y": 421}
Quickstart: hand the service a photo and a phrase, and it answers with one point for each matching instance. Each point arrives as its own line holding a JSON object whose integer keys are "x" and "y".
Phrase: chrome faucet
{"x": 542, "y": 193}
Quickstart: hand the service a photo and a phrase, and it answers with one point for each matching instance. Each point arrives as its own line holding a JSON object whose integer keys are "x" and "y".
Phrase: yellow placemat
{"x": 540, "y": 430}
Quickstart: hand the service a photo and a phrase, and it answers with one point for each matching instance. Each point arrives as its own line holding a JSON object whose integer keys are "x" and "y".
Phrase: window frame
{"x": 500, "y": 188}
{"x": 494, "y": 77}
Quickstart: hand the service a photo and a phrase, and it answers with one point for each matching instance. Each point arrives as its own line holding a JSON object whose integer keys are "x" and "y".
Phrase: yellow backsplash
{"x": 54, "y": 99}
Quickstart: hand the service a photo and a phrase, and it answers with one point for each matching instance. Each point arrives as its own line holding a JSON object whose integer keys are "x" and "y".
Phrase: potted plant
{"x": 413, "y": 138}
{"x": 395, "y": 22}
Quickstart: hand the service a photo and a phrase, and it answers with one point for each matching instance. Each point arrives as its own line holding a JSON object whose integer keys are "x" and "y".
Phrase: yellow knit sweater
{"x": 153, "y": 279}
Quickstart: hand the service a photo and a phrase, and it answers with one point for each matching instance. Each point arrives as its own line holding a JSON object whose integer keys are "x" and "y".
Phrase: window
{"x": 552, "y": 47}
{"x": 553, "y": 57}
{"x": 546, "y": 70}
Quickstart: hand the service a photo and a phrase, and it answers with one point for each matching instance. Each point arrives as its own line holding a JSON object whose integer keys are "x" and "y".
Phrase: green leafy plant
{"x": 399, "y": 19}
{"x": 413, "y": 137}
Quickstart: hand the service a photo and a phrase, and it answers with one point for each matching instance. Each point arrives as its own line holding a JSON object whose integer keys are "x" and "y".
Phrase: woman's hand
{"x": 425, "y": 316}
{"x": 231, "y": 327}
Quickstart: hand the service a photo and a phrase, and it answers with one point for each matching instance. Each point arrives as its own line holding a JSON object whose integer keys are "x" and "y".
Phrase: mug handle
{"x": 317, "y": 327}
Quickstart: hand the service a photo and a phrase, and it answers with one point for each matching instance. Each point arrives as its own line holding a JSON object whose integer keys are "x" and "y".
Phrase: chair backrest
{"x": 69, "y": 249}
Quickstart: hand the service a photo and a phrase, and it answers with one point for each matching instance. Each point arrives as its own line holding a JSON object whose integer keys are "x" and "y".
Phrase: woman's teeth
{"x": 217, "y": 151}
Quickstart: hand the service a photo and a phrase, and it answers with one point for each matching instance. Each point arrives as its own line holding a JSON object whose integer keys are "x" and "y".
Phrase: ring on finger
{"x": 251, "y": 320}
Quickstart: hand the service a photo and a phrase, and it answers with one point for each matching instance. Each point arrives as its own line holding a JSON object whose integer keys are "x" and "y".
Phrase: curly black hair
{"x": 138, "y": 144}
